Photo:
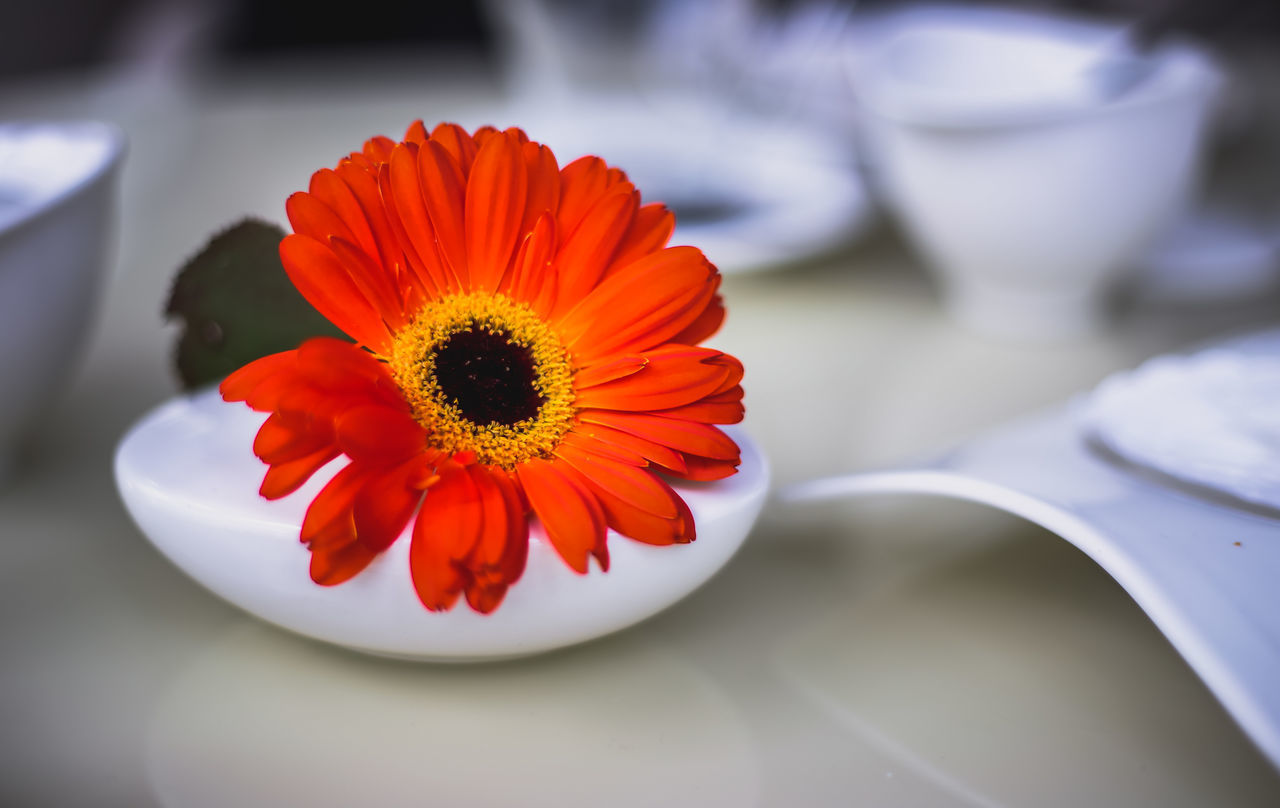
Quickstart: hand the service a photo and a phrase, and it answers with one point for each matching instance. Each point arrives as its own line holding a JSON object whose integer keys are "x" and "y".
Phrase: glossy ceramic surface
{"x": 189, "y": 478}
{"x": 56, "y": 207}
{"x": 1027, "y": 192}
{"x": 1204, "y": 572}
{"x": 1207, "y": 420}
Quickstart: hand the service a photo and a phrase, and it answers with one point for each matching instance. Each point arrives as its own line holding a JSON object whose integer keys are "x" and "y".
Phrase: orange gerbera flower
{"x": 524, "y": 344}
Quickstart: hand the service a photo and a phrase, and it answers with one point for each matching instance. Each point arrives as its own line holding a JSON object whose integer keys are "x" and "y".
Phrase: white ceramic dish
{"x": 1206, "y": 573}
{"x": 189, "y": 479}
{"x": 56, "y": 194}
{"x": 752, "y": 194}
{"x": 1210, "y": 255}
{"x": 1208, "y": 420}
{"x": 1027, "y": 190}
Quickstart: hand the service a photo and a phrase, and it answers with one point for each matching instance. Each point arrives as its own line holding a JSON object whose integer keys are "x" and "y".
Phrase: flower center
{"x": 485, "y": 374}
{"x": 488, "y": 377}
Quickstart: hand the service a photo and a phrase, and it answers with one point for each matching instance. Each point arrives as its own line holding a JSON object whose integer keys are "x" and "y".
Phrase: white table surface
{"x": 905, "y": 652}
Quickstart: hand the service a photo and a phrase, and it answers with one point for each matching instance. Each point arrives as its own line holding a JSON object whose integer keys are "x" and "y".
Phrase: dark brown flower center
{"x": 488, "y": 377}
{"x": 484, "y": 374}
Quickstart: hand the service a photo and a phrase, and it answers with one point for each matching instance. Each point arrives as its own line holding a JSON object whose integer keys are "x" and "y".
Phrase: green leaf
{"x": 236, "y": 304}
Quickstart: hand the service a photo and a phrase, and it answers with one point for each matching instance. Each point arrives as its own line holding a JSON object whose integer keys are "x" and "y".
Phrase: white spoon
{"x": 190, "y": 480}
{"x": 1202, "y": 567}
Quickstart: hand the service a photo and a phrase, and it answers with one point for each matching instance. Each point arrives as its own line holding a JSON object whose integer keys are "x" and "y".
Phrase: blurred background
{"x": 68, "y": 34}
{"x": 932, "y": 219}
{"x": 834, "y": 80}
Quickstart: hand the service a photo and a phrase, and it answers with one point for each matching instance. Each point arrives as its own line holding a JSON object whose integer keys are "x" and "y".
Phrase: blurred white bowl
{"x": 1027, "y": 185}
{"x": 56, "y": 194}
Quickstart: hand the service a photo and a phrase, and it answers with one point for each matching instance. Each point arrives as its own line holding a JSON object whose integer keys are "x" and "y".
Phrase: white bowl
{"x": 56, "y": 194}
{"x": 188, "y": 477}
{"x": 1026, "y": 186}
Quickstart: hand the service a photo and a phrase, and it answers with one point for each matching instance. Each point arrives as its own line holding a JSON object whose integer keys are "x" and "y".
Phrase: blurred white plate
{"x": 751, "y": 194}
{"x": 1209, "y": 420}
{"x": 1210, "y": 255}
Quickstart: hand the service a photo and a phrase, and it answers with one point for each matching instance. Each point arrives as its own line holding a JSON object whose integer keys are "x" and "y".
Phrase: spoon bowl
{"x": 190, "y": 481}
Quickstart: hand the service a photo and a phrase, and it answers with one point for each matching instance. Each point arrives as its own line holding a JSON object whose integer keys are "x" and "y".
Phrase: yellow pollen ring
{"x": 412, "y": 365}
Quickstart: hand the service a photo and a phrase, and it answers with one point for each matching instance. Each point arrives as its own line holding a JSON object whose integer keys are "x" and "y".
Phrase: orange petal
{"x": 642, "y": 526}
{"x": 711, "y": 410}
{"x": 334, "y": 365}
{"x": 273, "y": 436}
{"x": 379, "y": 434}
{"x": 531, "y": 279}
{"x": 333, "y": 505}
{"x": 460, "y": 145}
{"x": 706, "y": 469}
{"x": 378, "y": 149}
{"x": 337, "y": 554}
{"x": 328, "y": 186}
{"x": 446, "y": 529}
{"x": 267, "y": 394}
{"x": 607, "y": 370}
{"x": 241, "y": 383}
{"x": 656, "y": 327}
{"x": 421, "y": 277}
{"x": 494, "y": 530}
{"x": 311, "y": 217}
{"x": 687, "y": 437}
{"x": 582, "y": 183}
{"x": 361, "y": 161}
{"x": 517, "y": 550}
{"x": 673, "y": 377}
{"x": 495, "y": 203}
{"x": 444, "y": 192}
{"x": 632, "y": 301}
{"x": 730, "y": 383}
{"x": 636, "y": 486}
{"x": 375, "y": 284}
{"x": 335, "y": 565}
{"x": 323, "y": 281}
{"x": 517, "y": 133}
{"x": 544, "y": 185}
{"x": 586, "y": 253}
{"x": 402, "y": 190}
{"x": 279, "y": 441}
{"x": 651, "y": 451}
{"x": 572, "y": 518}
{"x": 587, "y": 443}
{"x": 491, "y": 577}
{"x": 499, "y": 556}
{"x": 485, "y": 597}
{"x": 650, "y": 231}
{"x": 416, "y": 133}
{"x": 601, "y": 551}
{"x": 285, "y": 478}
{"x": 384, "y": 504}
{"x": 663, "y": 325}
{"x": 483, "y": 133}
{"x": 387, "y": 251}
{"x": 706, "y": 324}
{"x": 302, "y": 400}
